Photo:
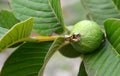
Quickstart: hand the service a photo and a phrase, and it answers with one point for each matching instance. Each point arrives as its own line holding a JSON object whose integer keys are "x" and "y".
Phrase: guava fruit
{"x": 69, "y": 51}
{"x": 86, "y": 36}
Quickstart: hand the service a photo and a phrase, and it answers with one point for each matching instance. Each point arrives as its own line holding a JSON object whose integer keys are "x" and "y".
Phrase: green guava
{"x": 90, "y": 37}
{"x": 69, "y": 51}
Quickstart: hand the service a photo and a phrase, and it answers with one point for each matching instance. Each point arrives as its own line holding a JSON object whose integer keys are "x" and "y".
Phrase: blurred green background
{"x": 4, "y": 4}
{"x": 58, "y": 65}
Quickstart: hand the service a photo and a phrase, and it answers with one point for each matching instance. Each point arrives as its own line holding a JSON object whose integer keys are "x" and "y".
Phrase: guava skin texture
{"x": 90, "y": 38}
{"x": 69, "y": 51}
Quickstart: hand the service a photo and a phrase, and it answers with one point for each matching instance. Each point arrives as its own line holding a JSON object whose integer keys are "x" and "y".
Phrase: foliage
{"x": 46, "y": 13}
{"x": 44, "y": 17}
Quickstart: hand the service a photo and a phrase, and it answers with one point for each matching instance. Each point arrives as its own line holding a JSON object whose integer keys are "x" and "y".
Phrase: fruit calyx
{"x": 73, "y": 38}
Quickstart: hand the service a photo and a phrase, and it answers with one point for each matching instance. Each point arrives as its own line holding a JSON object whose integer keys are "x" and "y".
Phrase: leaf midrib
{"x": 15, "y": 42}
{"x": 54, "y": 12}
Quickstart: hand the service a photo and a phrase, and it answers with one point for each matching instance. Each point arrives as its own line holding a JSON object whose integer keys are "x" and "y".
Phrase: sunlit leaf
{"x": 16, "y": 34}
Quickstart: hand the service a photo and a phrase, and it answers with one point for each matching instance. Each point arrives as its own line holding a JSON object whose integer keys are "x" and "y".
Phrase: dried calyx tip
{"x": 73, "y": 38}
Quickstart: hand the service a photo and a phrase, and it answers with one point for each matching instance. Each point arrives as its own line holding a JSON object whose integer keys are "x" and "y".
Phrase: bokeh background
{"x": 58, "y": 64}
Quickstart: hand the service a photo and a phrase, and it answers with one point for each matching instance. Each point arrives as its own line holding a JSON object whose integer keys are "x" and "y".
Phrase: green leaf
{"x": 105, "y": 62}
{"x": 7, "y": 19}
{"x": 47, "y": 14}
{"x": 26, "y": 60}
{"x": 99, "y": 10}
{"x": 30, "y": 59}
{"x": 112, "y": 27}
{"x": 82, "y": 71}
{"x": 117, "y": 3}
{"x": 2, "y": 31}
{"x": 16, "y": 34}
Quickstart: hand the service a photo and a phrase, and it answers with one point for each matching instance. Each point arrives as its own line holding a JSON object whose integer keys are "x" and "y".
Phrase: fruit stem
{"x": 38, "y": 39}
{"x": 66, "y": 29}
